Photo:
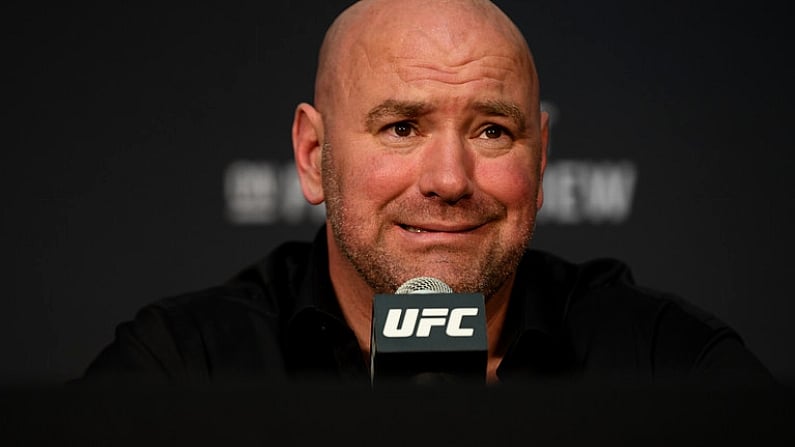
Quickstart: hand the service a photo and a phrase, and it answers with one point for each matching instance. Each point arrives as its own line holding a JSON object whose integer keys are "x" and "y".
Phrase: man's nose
{"x": 446, "y": 168}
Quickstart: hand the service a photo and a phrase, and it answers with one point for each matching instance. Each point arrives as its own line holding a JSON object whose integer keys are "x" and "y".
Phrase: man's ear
{"x": 543, "y": 162}
{"x": 308, "y": 151}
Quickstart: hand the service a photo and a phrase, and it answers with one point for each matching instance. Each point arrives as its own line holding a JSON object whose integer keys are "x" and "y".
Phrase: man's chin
{"x": 461, "y": 281}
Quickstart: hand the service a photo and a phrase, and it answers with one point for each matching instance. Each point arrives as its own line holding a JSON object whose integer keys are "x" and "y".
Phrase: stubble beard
{"x": 384, "y": 271}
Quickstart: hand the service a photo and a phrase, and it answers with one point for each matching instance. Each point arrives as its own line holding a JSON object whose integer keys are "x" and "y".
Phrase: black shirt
{"x": 279, "y": 320}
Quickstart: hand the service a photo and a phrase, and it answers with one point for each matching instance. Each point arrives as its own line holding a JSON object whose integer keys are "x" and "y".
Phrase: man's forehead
{"x": 447, "y": 44}
{"x": 453, "y": 42}
{"x": 417, "y": 57}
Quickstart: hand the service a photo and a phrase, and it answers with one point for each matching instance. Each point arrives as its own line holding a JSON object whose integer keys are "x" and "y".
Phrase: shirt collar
{"x": 534, "y": 328}
{"x": 542, "y": 292}
{"x": 317, "y": 339}
{"x": 315, "y": 293}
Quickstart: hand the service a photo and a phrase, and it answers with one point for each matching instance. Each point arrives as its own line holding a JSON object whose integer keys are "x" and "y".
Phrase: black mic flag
{"x": 425, "y": 333}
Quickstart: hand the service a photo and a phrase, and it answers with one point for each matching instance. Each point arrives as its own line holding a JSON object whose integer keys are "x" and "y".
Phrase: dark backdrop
{"x": 147, "y": 153}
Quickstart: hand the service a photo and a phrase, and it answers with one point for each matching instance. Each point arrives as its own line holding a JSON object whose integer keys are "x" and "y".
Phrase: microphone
{"x": 427, "y": 334}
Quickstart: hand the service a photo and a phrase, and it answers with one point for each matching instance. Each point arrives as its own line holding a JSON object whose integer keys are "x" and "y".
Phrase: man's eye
{"x": 493, "y": 132}
{"x": 402, "y": 129}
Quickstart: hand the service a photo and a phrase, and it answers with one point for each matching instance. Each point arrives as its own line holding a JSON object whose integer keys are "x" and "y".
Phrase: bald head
{"x": 384, "y": 34}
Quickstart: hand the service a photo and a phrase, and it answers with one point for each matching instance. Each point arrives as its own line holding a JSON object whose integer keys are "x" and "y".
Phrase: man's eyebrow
{"x": 500, "y": 108}
{"x": 395, "y": 108}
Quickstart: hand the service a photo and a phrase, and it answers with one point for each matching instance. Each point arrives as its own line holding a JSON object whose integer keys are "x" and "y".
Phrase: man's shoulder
{"x": 226, "y": 329}
{"x": 615, "y": 324}
{"x": 262, "y": 288}
{"x": 605, "y": 287}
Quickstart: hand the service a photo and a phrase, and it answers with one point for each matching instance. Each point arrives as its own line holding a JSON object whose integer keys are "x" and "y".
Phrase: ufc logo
{"x": 430, "y": 317}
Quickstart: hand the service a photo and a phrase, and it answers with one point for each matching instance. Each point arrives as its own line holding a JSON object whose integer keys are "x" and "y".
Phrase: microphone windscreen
{"x": 423, "y": 284}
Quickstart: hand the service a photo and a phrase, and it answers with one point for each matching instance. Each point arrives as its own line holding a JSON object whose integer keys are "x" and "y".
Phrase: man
{"x": 428, "y": 146}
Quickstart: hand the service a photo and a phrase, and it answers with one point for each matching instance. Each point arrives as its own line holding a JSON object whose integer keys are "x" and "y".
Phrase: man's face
{"x": 432, "y": 161}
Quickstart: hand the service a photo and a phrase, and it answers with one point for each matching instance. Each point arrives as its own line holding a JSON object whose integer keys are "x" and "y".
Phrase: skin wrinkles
{"x": 476, "y": 70}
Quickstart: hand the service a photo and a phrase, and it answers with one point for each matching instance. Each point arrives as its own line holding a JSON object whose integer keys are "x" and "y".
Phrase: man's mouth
{"x": 462, "y": 228}
{"x": 412, "y": 229}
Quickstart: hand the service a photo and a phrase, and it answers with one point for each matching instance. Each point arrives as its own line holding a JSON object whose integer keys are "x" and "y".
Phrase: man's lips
{"x": 439, "y": 228}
